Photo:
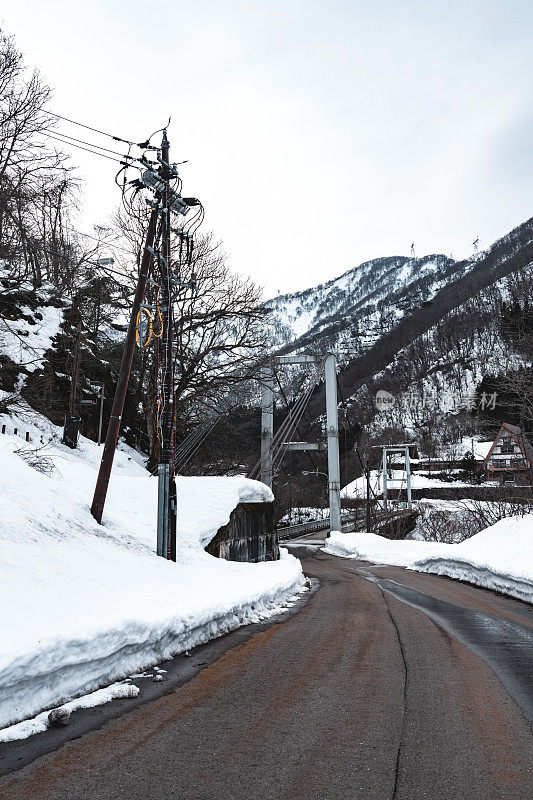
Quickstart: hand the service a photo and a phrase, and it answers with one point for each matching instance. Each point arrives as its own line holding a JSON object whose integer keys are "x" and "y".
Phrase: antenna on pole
{"x": 413, "y": 250}
{"x": 475, "y": 244}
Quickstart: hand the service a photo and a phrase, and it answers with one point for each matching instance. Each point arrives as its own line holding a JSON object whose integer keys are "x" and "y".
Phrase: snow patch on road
{"x": 38, "y": 724}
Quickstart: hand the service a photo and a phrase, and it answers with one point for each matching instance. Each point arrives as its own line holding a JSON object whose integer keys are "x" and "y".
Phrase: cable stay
{"x": 274, "y": 455}
{"x": 193, "y": 442}
{"x": 308, "y": 454}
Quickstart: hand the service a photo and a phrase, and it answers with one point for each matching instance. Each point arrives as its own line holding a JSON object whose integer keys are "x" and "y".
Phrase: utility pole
{"x": 166, "y": 498}
{"x": 115, "y": 419}
{"x": 408, "y": 476}
{"x": 332, "y": 424}
{"x": 102, "y": 390}
{"x": 367, "y": 473}
{"x": 72, "y": 421}
{"x": 385, "y": 477}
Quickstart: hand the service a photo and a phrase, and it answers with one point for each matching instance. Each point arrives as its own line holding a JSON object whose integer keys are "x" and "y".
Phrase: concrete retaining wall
{"x": 250, "y": 535}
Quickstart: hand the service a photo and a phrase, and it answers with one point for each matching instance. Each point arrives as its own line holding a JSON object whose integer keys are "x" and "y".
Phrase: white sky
{"x": 318, "y": 134}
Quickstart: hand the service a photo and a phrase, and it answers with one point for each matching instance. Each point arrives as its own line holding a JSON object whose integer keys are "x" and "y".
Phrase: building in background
{"x": 510, "y": 459}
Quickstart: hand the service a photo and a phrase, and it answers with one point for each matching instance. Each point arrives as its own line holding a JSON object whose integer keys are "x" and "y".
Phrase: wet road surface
{"x": 386, "y": 684}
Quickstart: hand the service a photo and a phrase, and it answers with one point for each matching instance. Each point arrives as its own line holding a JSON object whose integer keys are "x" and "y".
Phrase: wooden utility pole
{"x": 113, "y": 428}
{"x": 166, "y": 499}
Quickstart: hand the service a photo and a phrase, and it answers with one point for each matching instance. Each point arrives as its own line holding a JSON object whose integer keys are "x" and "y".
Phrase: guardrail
{"x": 293, "y": 531}
{"x": 348, "y": 526}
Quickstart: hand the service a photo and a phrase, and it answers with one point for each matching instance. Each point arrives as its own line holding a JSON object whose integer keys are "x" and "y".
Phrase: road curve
{"x": 386, "y": 685}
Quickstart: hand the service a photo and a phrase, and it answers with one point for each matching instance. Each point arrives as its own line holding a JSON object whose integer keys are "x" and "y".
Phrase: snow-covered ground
{"x": 84, "y": 605}
{"x": 499, "y": 557}
{"x": 26, "y": 339}
{"x": 397, "y": 480}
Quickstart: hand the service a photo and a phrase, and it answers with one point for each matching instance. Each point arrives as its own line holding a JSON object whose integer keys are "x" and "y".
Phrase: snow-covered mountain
{"x": 378, "y": 291}
{"x": 368, "y": 304}
{"x": 430, "y": 326}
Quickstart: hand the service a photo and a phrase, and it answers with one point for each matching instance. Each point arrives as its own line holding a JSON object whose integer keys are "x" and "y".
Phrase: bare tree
{"x": 220, "y": 330}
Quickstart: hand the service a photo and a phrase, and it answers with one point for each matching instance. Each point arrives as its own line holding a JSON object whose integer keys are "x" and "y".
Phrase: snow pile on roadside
{"x": 498, "y": 558}
{"x": 215, "y": 498}
{"x": 38, "y": 724}
{"x": 371, "y": 547}
{"x": 83, "y": 605}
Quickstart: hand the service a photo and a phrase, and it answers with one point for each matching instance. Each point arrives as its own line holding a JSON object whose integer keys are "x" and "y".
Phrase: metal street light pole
{"x": 102, "y": 390}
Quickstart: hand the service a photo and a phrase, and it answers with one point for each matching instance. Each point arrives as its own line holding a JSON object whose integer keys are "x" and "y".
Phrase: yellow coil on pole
{"x": 144, "y": 326}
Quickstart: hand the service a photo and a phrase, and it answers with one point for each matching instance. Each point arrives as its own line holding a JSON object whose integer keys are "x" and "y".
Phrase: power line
{"x": 94, "y": 152}
{"x": 96, "y": 130}
{"x": 95, "y": 239}
{"x": 91, "y": 144}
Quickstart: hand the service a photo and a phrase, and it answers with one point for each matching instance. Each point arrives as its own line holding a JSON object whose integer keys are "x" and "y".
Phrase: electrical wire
{"x": 92, "y": 144}
{"x": 79, "y": 146}
{"x": 90, "y": 128}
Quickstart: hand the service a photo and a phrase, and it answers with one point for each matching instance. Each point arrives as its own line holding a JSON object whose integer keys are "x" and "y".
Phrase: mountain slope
{"x": 512, "y": 253}
{"x": 373, "y": 311}
{"x": 427, "y": 328}
{"x": 309, "y": 318}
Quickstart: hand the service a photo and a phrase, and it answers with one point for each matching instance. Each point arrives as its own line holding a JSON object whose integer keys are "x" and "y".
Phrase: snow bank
{"x": 371, "y": 547}
{"x": 498, "y": 558}
{"x": 84, "y": 605}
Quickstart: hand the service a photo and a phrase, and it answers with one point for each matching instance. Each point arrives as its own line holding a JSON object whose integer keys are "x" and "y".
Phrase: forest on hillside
{"x": 90, "y": 278}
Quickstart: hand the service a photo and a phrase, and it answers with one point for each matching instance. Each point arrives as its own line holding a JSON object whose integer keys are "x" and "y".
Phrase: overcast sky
{"x": 318, "y": 134}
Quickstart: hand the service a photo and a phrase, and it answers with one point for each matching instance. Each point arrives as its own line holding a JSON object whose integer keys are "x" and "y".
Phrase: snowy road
{"x": 387, "y": 684}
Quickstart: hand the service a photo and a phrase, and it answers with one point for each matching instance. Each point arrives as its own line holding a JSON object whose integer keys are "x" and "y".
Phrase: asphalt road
{"x": 385, "y": 684}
